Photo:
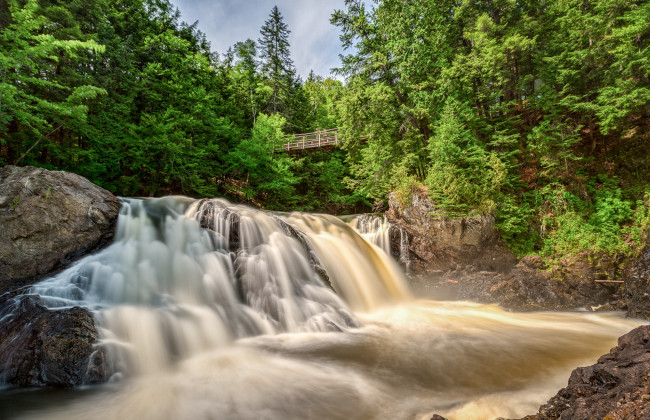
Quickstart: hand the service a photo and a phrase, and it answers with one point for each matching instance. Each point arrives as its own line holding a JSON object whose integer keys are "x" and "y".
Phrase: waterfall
{"x": 404, "y": 253}
{"x": 208, "y": 309}
{"x": 199, "y": 274}
{"x": 379, "y": 231}
{"x": 375, "y": 229}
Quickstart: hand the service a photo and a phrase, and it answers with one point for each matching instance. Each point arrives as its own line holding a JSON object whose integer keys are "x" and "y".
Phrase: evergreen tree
{"x": 37, "y": 99}
{"x": 247, "y": 78}
{"x": 277, "y": 65}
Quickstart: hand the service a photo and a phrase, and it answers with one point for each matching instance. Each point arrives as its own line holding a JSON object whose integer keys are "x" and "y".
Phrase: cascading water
{"x": 377, "y": 230}
{"x": 374, "y": 229}
{"x": 213, "y": 310}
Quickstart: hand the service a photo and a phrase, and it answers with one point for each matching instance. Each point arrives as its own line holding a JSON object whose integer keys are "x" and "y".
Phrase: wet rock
{"x": 210, "y": 214}
{"x": 43, "y": 347}
{"x": 449, "y": 244}
{"x": 49, "y": 219}
{"x": 637, "y": 285}
{"x": 615, "y": 388}
{"x": 315, "y": 263}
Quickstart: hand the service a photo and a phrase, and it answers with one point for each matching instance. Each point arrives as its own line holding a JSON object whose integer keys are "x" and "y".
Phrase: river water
{"x": 210, "y": 310}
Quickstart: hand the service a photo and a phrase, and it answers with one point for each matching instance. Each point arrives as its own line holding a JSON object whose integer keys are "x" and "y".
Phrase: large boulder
{"x": 637, "y": 285}
{"x": 44, "y": 347}
{"x": 49, "y": 219}
{"x": 616, "y": 388}
{"x": 449, "y": 244}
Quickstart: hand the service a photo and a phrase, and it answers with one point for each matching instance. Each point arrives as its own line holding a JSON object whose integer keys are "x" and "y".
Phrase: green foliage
{"x": 463, "y": 176}
{"x": 131, "y": 97}
{"x": 511, "y": 107}
{"x": 552, "y": 144}
{"x": 571, "y": 225}
{"x": 32, "y": 98}
{"x": 277, "y": 65}
{"x": 404, "y": 186}
{"x": 519, "y": 108}
{"x": 514, "y": 219}
{"x": 268, "y": 176}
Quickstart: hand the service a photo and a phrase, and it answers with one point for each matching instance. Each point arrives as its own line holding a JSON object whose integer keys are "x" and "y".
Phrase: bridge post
{"x": 319, "y": 138}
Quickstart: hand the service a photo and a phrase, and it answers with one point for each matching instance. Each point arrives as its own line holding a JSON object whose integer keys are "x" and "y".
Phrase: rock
{"x": 526, "y": 287}
{"x": 43, "y": 347}
{"x": 637, "y": 285}
{"x": 465, "y": 259}
{"x": 315, "y": 263}
{"x": 49, "y": 219}
{"x": 448, "y": 244}
{"x": 615, "y": 388}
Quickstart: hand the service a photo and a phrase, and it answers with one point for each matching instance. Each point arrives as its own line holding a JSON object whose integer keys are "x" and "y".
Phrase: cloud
{"x": 314, "y": 41}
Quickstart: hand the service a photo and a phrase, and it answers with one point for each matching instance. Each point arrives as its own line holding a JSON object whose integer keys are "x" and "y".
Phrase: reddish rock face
{"x": 49, "y": 219}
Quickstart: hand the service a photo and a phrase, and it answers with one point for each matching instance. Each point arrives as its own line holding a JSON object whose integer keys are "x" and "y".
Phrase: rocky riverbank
{"x": 49, "y": 219}
{"x": 617, "y": 387}
{"x": 464, "y": 259}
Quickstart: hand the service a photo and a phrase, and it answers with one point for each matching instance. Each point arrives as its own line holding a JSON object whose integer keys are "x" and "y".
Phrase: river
{"x": 295, "y": 316}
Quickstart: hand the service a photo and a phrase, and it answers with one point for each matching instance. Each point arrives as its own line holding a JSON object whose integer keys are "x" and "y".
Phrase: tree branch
{"x": 37, "y": 141}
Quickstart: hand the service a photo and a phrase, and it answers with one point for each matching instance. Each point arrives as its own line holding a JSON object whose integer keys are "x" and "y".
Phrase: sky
{"x": 315, "y": 43}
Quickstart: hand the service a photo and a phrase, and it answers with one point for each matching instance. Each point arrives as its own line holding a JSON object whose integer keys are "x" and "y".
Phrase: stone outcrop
{"x": 49, "y": 219}
{"x": 464, "y": 259}
{"x": 615, "y": 388}
{"x": 43, "y": 347}
{"x": 527, "y": 287}
{"x": 637, "y": 285}
{"x": 470, "y": 243}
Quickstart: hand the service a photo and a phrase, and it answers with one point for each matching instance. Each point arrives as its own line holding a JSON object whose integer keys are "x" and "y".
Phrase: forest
{"x": 537, "y": 111}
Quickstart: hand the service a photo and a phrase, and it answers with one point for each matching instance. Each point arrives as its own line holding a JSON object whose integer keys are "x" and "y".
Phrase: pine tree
{"x": 277, "y": 65}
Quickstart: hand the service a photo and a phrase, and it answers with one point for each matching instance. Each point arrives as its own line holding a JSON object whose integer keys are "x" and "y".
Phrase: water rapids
{"x": 210, "y": 310}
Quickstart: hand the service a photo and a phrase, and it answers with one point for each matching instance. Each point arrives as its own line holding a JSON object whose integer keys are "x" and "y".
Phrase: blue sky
{"x": 314, "y": 41}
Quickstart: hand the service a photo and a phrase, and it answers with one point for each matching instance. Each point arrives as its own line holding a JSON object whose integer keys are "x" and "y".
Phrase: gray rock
{"x": 49, "y": 219}
{"x": 43, "y": 347}
{"x": 450, "y": 244}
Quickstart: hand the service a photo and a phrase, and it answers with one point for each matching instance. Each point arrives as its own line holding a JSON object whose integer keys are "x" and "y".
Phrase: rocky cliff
{"x": 439, "y": 244}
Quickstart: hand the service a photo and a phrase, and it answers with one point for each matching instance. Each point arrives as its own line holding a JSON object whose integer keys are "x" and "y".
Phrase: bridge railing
{"x": 313, "y": 140}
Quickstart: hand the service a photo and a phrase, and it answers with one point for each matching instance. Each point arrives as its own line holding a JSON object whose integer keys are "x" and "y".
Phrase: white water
{"x": 234, "y": 323}
{"x": 377, "y": 230}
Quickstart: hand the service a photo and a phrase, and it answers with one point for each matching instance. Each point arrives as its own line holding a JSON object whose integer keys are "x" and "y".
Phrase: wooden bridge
{"x": 317, "y": 140}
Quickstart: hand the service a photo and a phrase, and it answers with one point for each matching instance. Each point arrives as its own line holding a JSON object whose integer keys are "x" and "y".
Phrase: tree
{"x": 266, "y": 177}
{"x": 34, "y": 101}
{"x": 247, "y": 79}
{"x": 277, "y": 65}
